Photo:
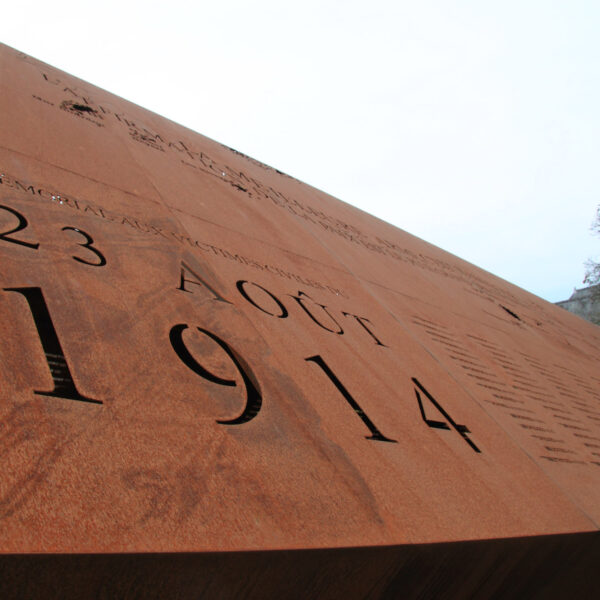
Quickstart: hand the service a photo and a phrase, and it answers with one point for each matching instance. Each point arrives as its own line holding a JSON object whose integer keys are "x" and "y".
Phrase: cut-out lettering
{"x": 253, "y": 395}
{"x": 361, "y": 321}
{"x": 511, "y": 313}
{"x": 64, "y": 386}
{"x": 283, "y": 313}
{"x": 88, "y": 246}
{"x": 375, "y": 433}
{"x": 462, "y": 430}
{"x": 20, "y": 226}
{"x": 197, "y": 280}
{"x": 302, "y": 297}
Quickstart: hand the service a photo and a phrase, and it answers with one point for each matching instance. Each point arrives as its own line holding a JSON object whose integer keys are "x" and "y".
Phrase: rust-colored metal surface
{"x": 215, "y": 377}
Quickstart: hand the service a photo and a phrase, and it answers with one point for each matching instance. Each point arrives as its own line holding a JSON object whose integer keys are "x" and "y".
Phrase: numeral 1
{"x": 64, "y": 386}
{"x": 375, "y": 433}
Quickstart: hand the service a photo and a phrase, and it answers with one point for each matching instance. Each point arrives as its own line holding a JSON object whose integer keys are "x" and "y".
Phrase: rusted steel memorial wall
{"x": 218, "y": 380}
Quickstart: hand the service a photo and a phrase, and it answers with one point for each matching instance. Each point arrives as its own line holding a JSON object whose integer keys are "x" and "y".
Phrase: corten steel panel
{"x": 213, "y": 374}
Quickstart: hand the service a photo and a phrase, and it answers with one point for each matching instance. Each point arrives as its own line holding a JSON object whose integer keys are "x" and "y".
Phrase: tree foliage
{"x": 592, "y": 268}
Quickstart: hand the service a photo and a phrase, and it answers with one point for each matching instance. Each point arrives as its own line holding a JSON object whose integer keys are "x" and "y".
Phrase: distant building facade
{"x": 584, "y": 303}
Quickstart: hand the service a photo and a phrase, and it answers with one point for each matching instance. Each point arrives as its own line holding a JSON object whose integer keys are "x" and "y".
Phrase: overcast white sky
{"x": 472, "y": 124}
